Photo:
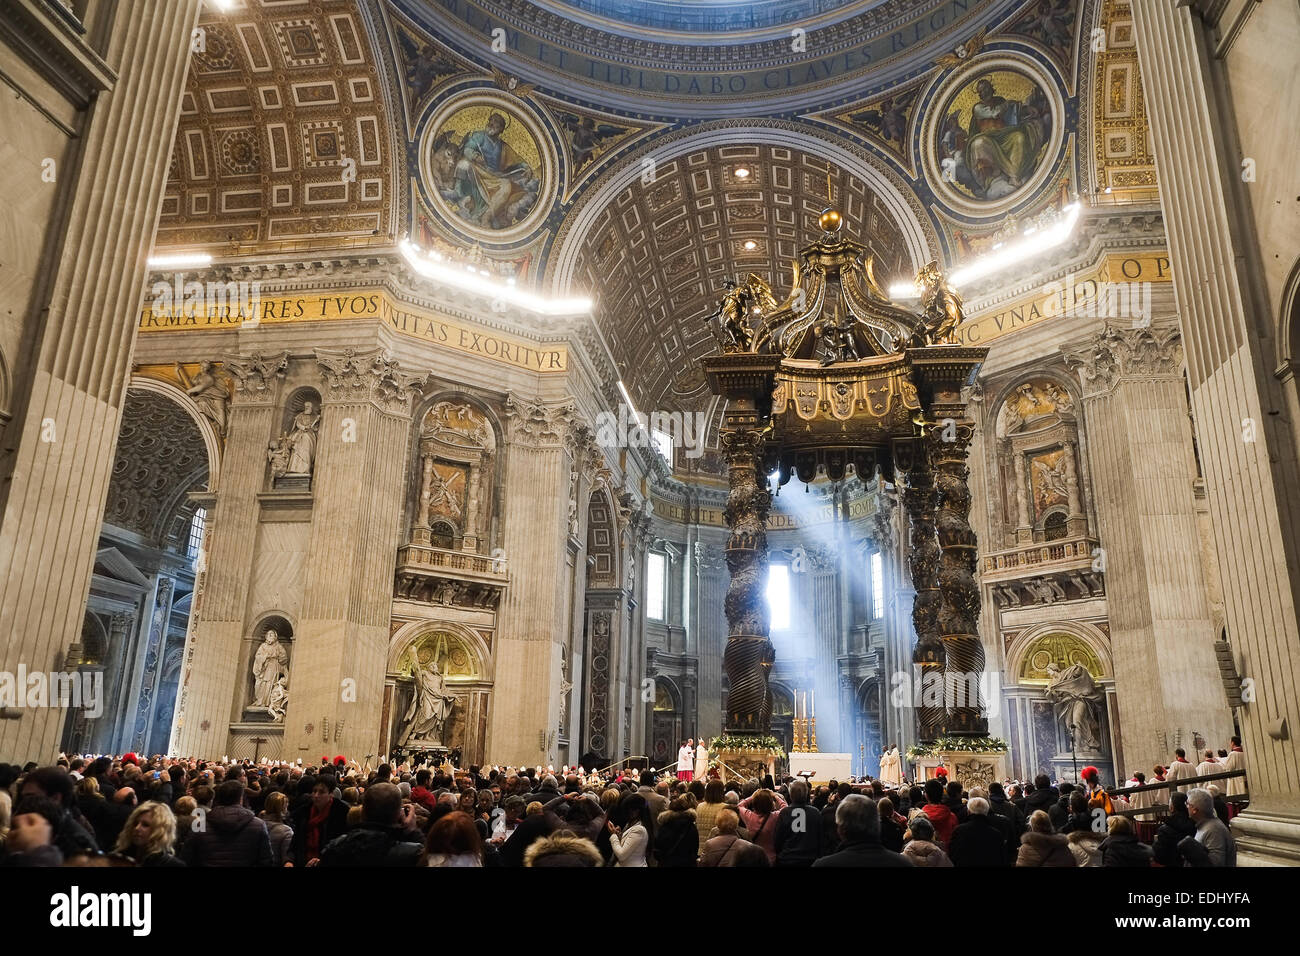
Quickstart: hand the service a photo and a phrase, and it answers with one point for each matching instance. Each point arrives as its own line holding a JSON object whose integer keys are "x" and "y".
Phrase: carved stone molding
{"x": 255, "y": 374}
{"x": 371, "y": 375}
{"x": 540, "y": 424}
{"x": 1116, "y": 355}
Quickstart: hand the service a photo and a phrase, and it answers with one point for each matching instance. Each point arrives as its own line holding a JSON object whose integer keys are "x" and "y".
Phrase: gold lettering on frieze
{"x": 364, "y": 305}
{"x": 1100, "y": 289}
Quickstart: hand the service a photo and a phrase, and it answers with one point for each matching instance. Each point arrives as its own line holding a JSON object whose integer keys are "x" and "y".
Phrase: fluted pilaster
{"x": 68, "y": 412}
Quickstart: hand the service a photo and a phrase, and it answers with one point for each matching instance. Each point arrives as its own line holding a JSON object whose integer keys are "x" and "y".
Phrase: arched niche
{"x": 453, "y": 499}
{"x": 465, "y": 662}
{"x": 278, "y": 622}
{"x": 1039, "y": 459}
{"x": 292, "y": 450}
{"x": 1063, "y": 644}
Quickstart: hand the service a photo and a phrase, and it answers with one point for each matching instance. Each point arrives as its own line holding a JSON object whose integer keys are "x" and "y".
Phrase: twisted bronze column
{"x": 749, "y": 656}
{"x": 923, "y": 564}
{"x": 949, "y": 440}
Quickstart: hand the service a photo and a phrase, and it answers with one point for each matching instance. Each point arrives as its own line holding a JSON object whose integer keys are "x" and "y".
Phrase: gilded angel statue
{"x": 731, "y": 322}
{"x": 940, "y": 308}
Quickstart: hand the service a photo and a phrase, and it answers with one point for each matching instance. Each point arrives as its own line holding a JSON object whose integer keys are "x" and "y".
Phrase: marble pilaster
{"x": 74, "y": 375}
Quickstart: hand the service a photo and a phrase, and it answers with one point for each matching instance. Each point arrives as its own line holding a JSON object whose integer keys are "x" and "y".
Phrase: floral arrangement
{"x": 957, "y": 744}
{"x": 747, "y": 744}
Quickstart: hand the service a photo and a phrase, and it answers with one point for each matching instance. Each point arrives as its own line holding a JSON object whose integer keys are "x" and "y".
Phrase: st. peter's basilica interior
{"x": 548, "y": 383}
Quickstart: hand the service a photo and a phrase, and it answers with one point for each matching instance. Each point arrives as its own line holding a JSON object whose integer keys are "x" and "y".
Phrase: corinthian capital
{"x": 255, "y": 374}
{"x": 1113, "y": 355}
{"x": 368, "y": 375}
{"x": 538, "y": 423}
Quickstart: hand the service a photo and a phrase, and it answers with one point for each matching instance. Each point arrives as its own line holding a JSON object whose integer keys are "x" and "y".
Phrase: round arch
{"x": 408, "y": 634}
{"x": 1091, "y": 636}
{"x": 902, "y": 205}
{"x": 211, "y": 442}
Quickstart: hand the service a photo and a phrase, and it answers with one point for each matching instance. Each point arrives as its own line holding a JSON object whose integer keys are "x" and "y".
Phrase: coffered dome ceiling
{"x": 657, "y": 252}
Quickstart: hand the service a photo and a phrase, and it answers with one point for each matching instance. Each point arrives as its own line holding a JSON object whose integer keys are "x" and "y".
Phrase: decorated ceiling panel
{"x": 283, "y": 140}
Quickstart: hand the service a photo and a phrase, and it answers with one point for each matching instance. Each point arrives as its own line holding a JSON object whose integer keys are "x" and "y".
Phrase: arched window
{"x": 1054, "y": 527}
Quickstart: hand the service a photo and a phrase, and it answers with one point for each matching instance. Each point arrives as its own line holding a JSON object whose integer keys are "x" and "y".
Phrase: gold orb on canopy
{"x": 830, "y": 220}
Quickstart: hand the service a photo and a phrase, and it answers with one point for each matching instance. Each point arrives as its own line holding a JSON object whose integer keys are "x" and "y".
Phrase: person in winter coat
{"x": 29, "y": 840}
{"x": 892, "y": 825}
{"x": 387, "y": 835}
{"x": 454, "y": 840}
{"x": 1086, "y": 847}
{"x": 319, "y": 821}
{"x": 943, "y": 818}
{"x": 1005, "y": 808}
{"x": 677, "y": 840}
{"x": 1080, "y": 816}
{"x": 1042, "y": 845}
{"x": 920, "y": 847}
{"x": 72, "y": 834}
{"x": 1121, "y": 846}
{"x": 630, "y": 840}
{"x": 727, "y": 848}
{"x": 1170, "y": 833}
{"x": 231, "y": 835}
{"x": 1043, "y": 797}
{"x": 858, "y": 822}
{"x": 563, "y": 849}
{"x": 798, "y": 840}
{"x": 978, "y": 841}
{"x": 149, "y": 836}
{"x": 280, "y": 833}
{"x": 707, "y": 810}
{"x": 759, "y": 813}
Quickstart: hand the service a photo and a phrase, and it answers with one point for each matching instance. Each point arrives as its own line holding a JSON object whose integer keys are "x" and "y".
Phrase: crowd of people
{"x": 169, "y": 812}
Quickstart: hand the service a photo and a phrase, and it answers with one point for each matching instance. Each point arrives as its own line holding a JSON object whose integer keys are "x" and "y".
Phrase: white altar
{"x": 825, "y": 767}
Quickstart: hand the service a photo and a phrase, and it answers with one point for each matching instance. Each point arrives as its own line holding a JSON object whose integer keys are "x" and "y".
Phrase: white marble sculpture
{"x": 426, "y": 718}
{"x": 270, "y": 663}
{"x": 1078, "y": 702}
{"x": 302, "y": 441}
{"x": 279, "y": 698}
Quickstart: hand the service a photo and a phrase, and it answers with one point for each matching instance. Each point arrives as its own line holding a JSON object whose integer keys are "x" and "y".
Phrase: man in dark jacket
{"x": 387, "y": 835}
{"x": 315, "y": 823}
{"x": 830, "y": 837}
{"x": 72, "y": 834}
{"x": 1043, "y": 797}
{"x": 979, "y": 841}
{"x": 1177, "y": 825}
{"x": 799, "y": 840}
{"x": 858, "y": 823}
{"x": 1001, "y": 806}
{"x": 230, "y": 834}
{"x": 1060, "y": 811}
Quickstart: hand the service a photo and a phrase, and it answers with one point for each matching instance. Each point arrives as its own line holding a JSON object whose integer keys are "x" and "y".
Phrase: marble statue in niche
{"x": 426, "y": 718}
{"x": 270, "y": 664}
{"x": 1077, "y": 702}
{"x": 302, "y": 441}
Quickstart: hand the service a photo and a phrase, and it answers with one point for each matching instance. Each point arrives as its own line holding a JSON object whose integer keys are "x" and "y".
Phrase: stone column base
{"x": 1267, "y": 839}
